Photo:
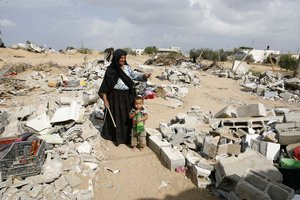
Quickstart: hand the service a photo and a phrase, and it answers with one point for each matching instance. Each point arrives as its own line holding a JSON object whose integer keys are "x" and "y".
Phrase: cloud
{"x": 6, "y": 22}
{"x": 185, "y": 23}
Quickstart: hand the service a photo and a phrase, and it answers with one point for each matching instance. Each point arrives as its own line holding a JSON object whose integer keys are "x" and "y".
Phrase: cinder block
{"x": 172, "y": 157}
{"x": 197, "y": 178}
{"x": 252, "y": 110}
{"x": 247, "y": 191}
{"x": 234, "y": 167}
{"x": 233, "y": 196}
{"x": 255, "y": 185}
{"x": 269, "y": 149}
{"x": 155, "y": 144}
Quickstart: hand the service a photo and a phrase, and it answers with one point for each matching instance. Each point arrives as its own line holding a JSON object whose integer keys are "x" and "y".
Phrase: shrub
{"x": 288, "y": 62}
{"x": 84, "y": 51}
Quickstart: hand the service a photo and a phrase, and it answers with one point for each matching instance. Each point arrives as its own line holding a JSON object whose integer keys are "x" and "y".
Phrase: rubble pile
{"x": 273, "y": 86}
{"x": 67, "y": 117}
{"x": 29, "y": 46}
{"x": 229, "y": 152}
{"x": 241, "y": 146}
{"x": 269, "y": 84}
{"x": 167, "y": 60}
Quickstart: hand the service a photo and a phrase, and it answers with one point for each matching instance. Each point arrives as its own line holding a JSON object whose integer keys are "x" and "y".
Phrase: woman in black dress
{"x": 118, "y": 92}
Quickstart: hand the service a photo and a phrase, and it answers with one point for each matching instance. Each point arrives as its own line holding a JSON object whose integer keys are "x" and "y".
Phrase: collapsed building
{"x": 241, "y": 153}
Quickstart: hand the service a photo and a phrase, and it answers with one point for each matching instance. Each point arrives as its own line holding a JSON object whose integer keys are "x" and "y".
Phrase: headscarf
{"x": 114, "y": 72}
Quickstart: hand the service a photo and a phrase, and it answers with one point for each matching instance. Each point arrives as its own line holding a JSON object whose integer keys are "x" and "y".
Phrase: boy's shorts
{"x": 138, "y": 139}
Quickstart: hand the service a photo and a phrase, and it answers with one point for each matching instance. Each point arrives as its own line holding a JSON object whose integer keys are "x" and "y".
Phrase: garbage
{"x": 113, "y": 171}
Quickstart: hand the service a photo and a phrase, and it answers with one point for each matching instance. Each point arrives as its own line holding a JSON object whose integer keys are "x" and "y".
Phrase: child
{"x": 138, "y": 115}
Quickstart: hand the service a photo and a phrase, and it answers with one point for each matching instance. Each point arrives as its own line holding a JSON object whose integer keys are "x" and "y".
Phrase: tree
{"x": 129, "y": 51}
{"x": 151, "y": 50}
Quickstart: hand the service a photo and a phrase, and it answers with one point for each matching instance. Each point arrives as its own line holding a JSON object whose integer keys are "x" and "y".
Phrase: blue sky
{"x": 99, "y": 24}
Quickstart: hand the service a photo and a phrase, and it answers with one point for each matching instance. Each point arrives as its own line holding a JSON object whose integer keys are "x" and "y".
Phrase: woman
{"x": 118, "y": 92}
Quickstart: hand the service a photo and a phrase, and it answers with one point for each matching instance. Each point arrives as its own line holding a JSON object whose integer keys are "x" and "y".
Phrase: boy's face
{"x": 138, "y": 104}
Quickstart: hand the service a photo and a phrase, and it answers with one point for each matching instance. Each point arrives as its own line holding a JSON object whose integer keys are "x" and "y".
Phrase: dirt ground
{"x": 142, "y": 175}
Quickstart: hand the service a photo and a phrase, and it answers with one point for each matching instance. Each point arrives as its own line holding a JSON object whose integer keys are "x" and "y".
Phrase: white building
{"x": 138, "y": 51}
{"x": 259, "y": 55}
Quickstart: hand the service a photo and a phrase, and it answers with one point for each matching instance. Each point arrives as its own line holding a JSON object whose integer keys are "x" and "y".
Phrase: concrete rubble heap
{"x": 230, "y": 151}
{"x": 72, "y": 156}
{"x": 269, "y": 85}
{"x": 235, "y": 153}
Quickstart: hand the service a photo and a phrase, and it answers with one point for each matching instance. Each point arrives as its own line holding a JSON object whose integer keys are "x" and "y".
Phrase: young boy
{"x": 138, "y": 115}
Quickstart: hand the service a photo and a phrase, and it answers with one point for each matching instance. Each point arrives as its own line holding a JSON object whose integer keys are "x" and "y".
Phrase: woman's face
{"x": 122, "y": 61}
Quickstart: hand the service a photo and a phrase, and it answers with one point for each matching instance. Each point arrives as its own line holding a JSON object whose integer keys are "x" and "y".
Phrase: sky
{"x": 188, "y": 24}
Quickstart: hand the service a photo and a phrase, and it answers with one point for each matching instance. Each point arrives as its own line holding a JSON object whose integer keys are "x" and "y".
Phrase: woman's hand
{"x": 105, "y": 101}
{"x": 106, "y": 104}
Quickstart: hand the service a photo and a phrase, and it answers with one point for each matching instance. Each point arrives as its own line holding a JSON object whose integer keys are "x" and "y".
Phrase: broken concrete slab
{"x": 66, "y": 113}
{"x": 39, "y": 123}
{"x": 240, "y": 67}
{"x": 227, "y": 112}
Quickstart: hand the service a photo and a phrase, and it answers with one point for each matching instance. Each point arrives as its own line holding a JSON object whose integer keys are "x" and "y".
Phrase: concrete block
{"x": 268, "y": 149}
{"x": 291, "y": 117}
{"x": 270, "y": 94}
{"x": 180, "y": 116}
{"x": 152, "y": 131}
{"x": 249, "y": 138}
{"x": 233, "y": 196}
{"x": 214, "y": 123}
{"x": 167, "y": 132}
{"x": 255, "y": 185}
{"x": 234, "y": 149}
{"x": 172, "y": 157}
{"x": 201, "y": 171}
{"x": 260, "y": 89}
{"x": 234, "y": 167}
{"x": 286, "y": 96}
{"x": 204, "y": 165}
{"x": 240, "y": 67}
{"x": 155, "y": 144}
{"x": 192, "y": 158}
{"x": 60, "y": 183}
{"x": 210, "y": 146}
{"x": 247, "y": 191}
{"x": 191, "y": 122}
{"x": 288, "y": 133}
{"x": 252, "y": 110}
